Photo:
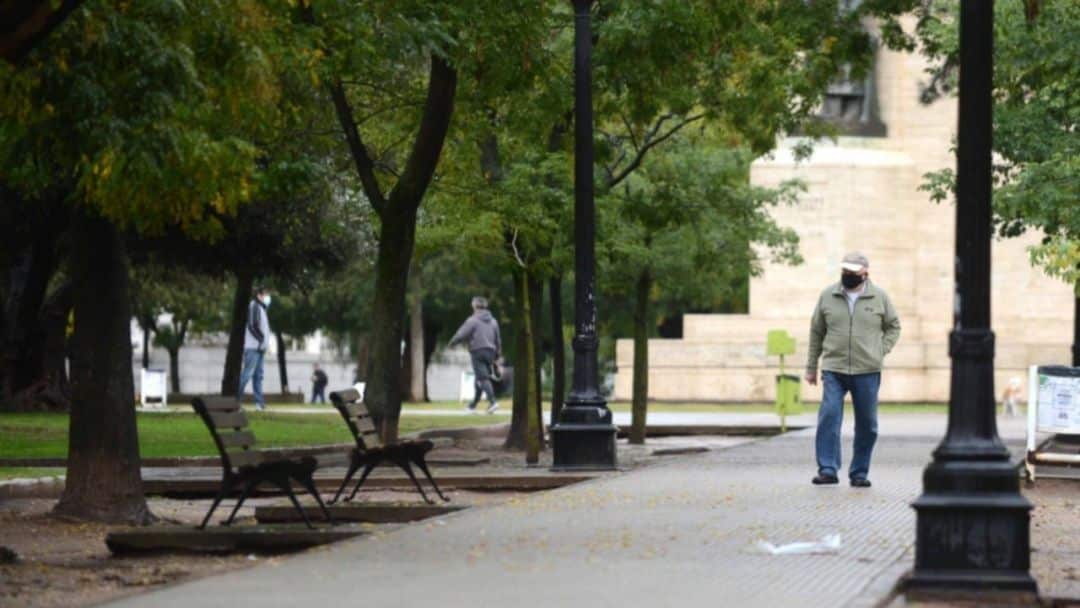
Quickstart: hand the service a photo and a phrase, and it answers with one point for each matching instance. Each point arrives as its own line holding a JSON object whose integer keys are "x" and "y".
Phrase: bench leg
{"x": 404, "y": 464}
{"x": 353, "y": 468}
{"x": 368, "y": 468}
{"x": 285, "y": 485}
{"x": 419, "y": 461}
{"x": 248, "y": 487}
{"x": 217, "y": 500}
{"x": 309, "y": 485}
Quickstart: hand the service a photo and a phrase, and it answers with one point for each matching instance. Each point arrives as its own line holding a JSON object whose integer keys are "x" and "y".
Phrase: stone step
{"x": 360, "y": 512}
{"x": 206, "y": 486}
{"x": 220, "y": 539}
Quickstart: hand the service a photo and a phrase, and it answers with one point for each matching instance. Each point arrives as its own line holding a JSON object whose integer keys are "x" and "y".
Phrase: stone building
{"x": 862, "y": 194}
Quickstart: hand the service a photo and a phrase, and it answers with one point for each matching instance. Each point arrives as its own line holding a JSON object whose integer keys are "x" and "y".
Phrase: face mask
{"x": 851, "y": 281}
{"x": 266, "y": 300}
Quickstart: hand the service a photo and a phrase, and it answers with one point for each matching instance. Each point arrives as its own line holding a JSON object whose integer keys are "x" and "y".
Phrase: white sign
{"x": 153, "y": 388}
{"x": 1058, "y": 402}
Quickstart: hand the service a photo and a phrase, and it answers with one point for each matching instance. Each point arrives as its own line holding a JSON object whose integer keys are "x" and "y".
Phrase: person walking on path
{"x": 256, "y": 338}
{"x": 853, "y": 327}
{"x": 318, "y": 385}
{"x": 481, "y": 332}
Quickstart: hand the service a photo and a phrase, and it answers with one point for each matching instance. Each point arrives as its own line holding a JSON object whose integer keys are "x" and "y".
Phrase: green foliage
{"x": 692, "y": 223}
{"x": 141, "y": 107}
{"x": 1036, "y": 116}
{"x": 195, "y": 303}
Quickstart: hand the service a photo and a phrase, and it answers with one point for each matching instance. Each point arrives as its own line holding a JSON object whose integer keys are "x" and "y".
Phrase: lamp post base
{"x": 973, "y": 530}
{"x": 584, "y": 439}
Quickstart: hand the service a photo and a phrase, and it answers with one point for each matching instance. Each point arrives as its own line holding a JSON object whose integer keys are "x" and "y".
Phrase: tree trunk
{"x": 558, "y": 348}
{"x": 532, "y": 392}
{"x": 641, "y": 358}
{"x": 383, "y": 393}
{"x": 103, "y": 478}
{"x": 174, "y": 368}
{"x": 524, "y": 373}
{"x": 417, "y": 368}
{"x": 1076, "y": 328}
{"x": 234, "y": 352}
{"x": 283, "y": 370}
{"x": 397, "y": 214}
{"x": 145, "y": 327}
{"x": 22, "y": 334}
{"x": 536, "y": 320}
{"x": 515, "y": 439}
{"x": 54, "y": 319}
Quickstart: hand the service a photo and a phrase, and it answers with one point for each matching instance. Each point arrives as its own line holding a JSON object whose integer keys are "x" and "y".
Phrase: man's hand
{"x": 811, "y": 378}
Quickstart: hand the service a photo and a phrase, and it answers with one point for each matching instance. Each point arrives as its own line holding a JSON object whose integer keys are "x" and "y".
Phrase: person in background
{"x": 256, "y": 338}
{"x": 318, "y": 385}
{"x": 481, "y": 333}
{"x": 853, "y": 327}
{"x": 1010, "y": 397}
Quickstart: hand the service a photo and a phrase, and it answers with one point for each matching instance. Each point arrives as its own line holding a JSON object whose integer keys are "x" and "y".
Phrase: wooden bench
{"x": 370, "y": 452}
{"x": 245, "y": 468}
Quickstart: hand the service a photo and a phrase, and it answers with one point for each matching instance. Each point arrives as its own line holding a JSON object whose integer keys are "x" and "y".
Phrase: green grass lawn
{"x": 184, "y": 434}
{"x": 695, "y": 407}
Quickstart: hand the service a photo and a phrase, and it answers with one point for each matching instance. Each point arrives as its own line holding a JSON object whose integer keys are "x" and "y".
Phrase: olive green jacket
{"x": 852, "y": 343}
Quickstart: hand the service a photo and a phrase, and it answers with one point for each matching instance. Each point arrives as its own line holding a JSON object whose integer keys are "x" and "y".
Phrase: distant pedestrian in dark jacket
{"x": 318, "y": 385}
{"x": 481, "y": 333}
{"x": 256, "y": 338}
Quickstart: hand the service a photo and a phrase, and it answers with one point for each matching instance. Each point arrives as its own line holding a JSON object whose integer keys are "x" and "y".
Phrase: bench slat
{"x": 244, "y": 458}
{"x": 229, "y": 419}
{"x": 348, "y": 395}
{"x": 221, "y": 404}
{"x": 371, "y": 439}
{"x": 244, "y": 439}
{"x": 364, "y": 425}
{"x": 357, "y": 410}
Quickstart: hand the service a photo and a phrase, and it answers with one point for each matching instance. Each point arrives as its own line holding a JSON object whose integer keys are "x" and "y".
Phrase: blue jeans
{"x": 253, "y": 370}
{"x": 864, "y": 394}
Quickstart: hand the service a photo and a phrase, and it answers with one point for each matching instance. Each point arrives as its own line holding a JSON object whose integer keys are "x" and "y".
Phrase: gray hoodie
{"x": 481, "y": 330}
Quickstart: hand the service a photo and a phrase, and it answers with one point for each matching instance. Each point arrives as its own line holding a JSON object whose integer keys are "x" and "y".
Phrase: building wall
{"x": 862, "y": 194}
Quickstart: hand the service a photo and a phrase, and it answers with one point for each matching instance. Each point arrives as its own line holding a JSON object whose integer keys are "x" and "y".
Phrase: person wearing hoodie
{"x": 481, "y": 333}
{"x": 256, "y": 338}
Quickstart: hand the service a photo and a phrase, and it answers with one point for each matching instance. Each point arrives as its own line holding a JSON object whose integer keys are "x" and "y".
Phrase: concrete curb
{"x": 40, "y": 487}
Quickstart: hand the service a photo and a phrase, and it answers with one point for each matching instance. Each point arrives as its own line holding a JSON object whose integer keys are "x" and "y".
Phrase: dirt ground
{"x": 1055, "y": 538}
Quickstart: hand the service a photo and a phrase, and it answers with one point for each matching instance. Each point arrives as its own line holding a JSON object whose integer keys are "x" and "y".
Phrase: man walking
{"x": 853, "y": 327}
{"x": 318, "y": 385}
{"x": 256, "y": 338}
{"x": 481, "y": 331}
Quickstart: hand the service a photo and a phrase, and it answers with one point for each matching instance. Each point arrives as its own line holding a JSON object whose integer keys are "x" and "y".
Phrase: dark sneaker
{"x": 823, "y": 479}
{"x": 860, "y": 482}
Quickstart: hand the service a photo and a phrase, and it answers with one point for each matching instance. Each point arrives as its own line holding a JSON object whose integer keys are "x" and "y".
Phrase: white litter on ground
{"x": 827, "y": 544}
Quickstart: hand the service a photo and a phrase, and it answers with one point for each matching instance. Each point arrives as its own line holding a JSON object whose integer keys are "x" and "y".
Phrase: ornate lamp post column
{"x": 973, "y": 523}
{"x": 584, "y": 437}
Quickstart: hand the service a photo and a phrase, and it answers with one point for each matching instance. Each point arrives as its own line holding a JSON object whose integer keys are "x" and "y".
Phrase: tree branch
{"x": 365, "y": 167}
{"x": 651, "y": 141}
{"x": 434, "y": 125}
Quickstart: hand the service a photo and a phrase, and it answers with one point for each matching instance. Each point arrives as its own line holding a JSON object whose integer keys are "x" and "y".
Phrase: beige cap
{"x": 855, "y": 262}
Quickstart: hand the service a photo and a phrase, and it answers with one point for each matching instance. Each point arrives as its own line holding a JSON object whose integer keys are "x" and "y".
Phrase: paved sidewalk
{"x": 679, "y": 533}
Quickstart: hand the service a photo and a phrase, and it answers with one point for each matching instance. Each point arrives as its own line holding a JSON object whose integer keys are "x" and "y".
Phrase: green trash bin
{"x": 788, "y": 398}
{"x": 788, "y": 401}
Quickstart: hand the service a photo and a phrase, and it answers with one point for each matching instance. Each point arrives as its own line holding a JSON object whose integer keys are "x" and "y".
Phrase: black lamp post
{"x": 584, "y": 437}
{"x": 973, "y": 523}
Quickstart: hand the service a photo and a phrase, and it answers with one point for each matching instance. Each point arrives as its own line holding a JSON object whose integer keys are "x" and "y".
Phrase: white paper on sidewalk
{"x": 828, "y": 544}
